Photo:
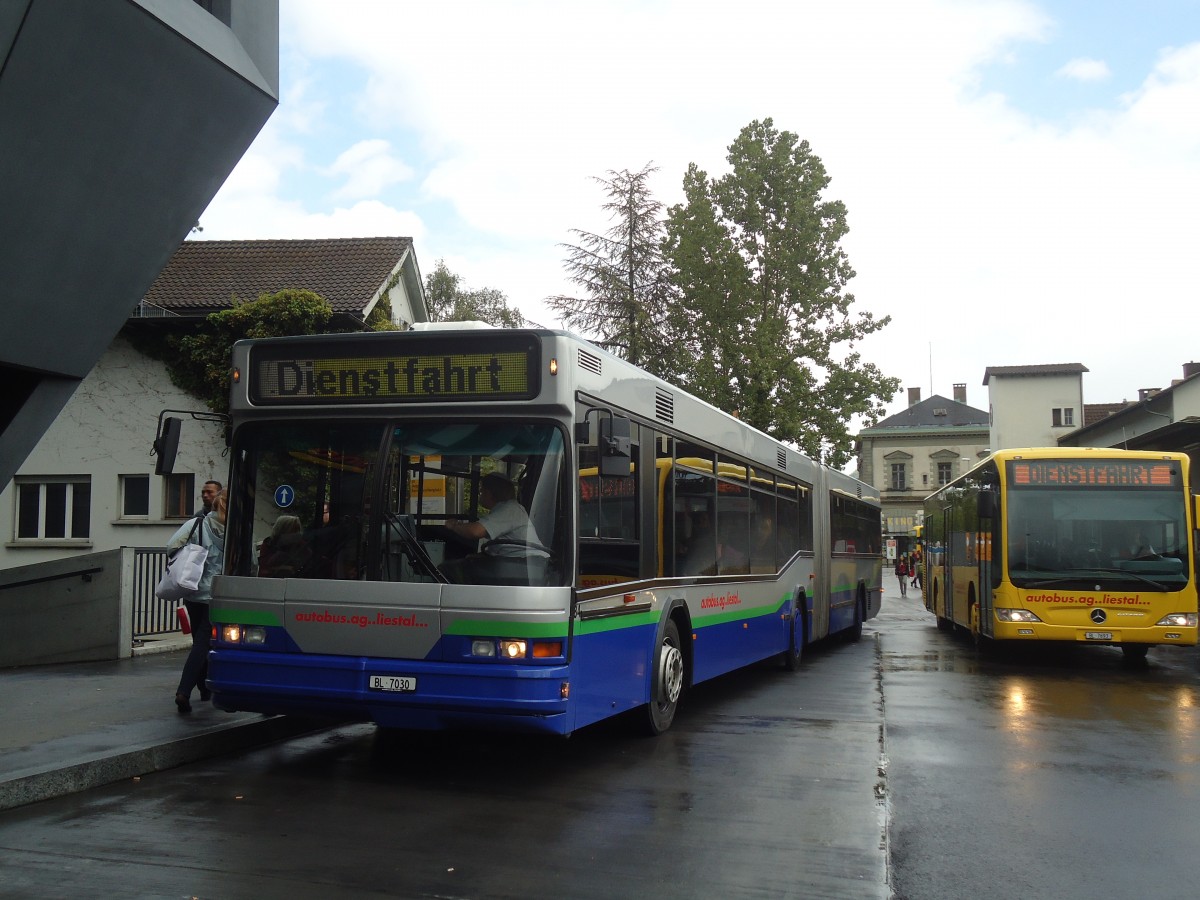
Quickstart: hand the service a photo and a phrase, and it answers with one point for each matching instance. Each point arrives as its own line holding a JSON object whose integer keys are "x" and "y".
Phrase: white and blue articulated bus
{"x": 465, "y": 526}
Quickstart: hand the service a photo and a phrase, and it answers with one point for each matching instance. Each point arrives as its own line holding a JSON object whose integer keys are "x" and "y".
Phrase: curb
{"x": 54, "y": 782}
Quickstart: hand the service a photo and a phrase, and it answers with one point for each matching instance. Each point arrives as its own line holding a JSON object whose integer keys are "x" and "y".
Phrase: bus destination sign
{"x": 324, "y": 377}
{"x": 1093, "y": 473}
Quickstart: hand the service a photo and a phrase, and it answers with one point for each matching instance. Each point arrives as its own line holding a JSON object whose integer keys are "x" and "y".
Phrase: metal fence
{"x": 151, "y": 616}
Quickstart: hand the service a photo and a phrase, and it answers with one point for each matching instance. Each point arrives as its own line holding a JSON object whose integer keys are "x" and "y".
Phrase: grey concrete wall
{"x": 70, "y": 610}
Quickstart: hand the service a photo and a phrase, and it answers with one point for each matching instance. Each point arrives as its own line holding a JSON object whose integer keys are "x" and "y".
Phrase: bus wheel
{"x": 854, "y": 632}
{"x": 668, "y": 681}
{"x": 791, "y": 656}
{"x": 1135, "y": 653}
{"x": 944, "y": 624}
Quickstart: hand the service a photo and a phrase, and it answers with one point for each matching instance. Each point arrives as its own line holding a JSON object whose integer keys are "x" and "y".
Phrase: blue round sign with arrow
{"x": 285, "y": 495}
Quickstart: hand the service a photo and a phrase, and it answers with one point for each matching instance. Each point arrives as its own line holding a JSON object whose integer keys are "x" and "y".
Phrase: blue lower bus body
{"x": 610, "y": 672}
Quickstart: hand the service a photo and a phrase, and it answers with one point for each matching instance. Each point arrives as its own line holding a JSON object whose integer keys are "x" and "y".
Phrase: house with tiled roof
{"x": 89, "y": 484}
{"x": 909, "y": 455}
{"x": 1166, "y": 418}
{"x": 354, "y": 274}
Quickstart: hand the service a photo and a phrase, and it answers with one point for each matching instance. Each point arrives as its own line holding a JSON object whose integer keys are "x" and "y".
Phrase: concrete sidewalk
{"x": 67, "y": 728}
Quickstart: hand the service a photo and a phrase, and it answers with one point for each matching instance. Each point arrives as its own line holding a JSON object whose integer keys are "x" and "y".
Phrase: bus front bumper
{"x": 443, "y": 695}
{"x": 1101, "y": 633}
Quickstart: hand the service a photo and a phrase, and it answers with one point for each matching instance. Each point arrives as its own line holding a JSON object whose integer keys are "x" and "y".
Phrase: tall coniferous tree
{"x": 620, "y": 274}
{"x": 756, "y": 258}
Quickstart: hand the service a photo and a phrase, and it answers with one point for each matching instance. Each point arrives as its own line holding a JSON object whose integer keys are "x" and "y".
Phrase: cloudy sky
{"x": 1022, "y": 178}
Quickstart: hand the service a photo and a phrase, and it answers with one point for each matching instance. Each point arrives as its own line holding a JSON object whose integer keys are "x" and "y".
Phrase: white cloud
{"x": 369, "y": 167}
{"x": 1084, "y": 69}
{"x": 991, "y": 238}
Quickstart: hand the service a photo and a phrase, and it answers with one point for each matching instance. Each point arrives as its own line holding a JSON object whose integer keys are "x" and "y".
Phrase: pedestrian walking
{"x": 902, "y": 574}
{"x": 211, "y": 536}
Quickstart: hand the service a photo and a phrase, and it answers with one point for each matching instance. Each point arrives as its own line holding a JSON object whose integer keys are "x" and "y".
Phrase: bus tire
{"x": 855, "y": 633}
{"x": 791, "y": 656}
{"x": 667, "y": 685}
{"x": 1135, "y": 654}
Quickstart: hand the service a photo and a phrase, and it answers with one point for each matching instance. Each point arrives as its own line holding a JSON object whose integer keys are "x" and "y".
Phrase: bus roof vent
{"x": 664, "y": 405}
{"x": 781, "y": 458}
{"x": 589, "y": 361}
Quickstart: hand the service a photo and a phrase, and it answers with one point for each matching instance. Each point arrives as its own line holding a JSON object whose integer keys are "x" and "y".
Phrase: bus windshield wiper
{"x": 1125, "y": 573}
{"x": 1093, "y": 574}
{"x": 414, "y": 548}
{"x": 1090, "y": 574}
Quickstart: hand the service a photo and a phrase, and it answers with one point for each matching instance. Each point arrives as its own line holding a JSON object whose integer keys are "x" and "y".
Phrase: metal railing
{"x": 151, "y": 616}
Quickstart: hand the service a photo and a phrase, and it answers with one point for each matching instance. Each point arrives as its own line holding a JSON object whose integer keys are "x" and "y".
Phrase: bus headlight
{"x": 1178, "y": 620}
{"x": 1016, "y": 615}
{"x": 512, "y": 649}
{"x": 483, "y": 648}
{"x": 243, "y": 634}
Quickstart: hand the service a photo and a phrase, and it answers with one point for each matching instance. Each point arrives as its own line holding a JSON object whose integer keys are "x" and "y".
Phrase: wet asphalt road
{"x": 1028, "y": 775}
{"x": 1038, "y": 772}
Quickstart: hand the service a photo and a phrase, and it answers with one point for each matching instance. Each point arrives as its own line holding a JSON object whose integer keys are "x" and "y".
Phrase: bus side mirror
{"x": 166, "y": 446}
{"x": 987, "y": 505}
{"x": 615, "y": 452}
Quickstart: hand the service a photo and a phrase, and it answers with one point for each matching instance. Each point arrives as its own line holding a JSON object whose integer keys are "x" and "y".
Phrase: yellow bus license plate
{"x": 1098, "y": 635}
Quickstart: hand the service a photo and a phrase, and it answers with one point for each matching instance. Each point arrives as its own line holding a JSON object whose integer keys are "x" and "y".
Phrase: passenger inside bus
{"x": 700, "y": 554}
{"x": 284, "y": 552}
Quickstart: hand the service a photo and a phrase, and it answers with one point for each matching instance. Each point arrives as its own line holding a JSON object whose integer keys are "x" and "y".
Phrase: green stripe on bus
{"x": 219, "y": 615}
{"x": 723, "y": 618}
{"x": 615, "y": 623}
{"x": 491, "y": 628}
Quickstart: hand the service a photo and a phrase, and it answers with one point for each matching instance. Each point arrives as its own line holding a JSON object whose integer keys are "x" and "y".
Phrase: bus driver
{"x": 505, "y": 527}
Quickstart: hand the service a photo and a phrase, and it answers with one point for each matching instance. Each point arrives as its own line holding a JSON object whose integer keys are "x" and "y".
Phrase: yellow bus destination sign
{"x": 1092, "y": 473}
{"x": 328, "y": 378}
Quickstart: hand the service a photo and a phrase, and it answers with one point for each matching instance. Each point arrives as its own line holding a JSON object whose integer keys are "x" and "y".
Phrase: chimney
{"x": 960, "y": 393}
{"x": 914, "y": 396}
{"x": 1146, "y": 393}
{"x": 1190, "y": 369}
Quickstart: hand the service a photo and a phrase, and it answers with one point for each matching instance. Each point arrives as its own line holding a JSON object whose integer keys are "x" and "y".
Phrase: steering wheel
{"x": 450, "y": 536}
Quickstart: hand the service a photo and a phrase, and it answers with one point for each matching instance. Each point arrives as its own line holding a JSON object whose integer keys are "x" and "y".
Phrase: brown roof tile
{"x": 1094, "y": 412}
{"x": 202, "y": 276}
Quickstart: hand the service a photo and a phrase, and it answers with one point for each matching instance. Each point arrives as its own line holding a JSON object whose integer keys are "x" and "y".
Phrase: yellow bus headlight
{"x": 1178, "y": 620}
{"x": 1016, "y": 615}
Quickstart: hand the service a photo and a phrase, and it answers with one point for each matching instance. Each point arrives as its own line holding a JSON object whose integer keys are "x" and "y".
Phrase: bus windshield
{"x": 1137, "y": 538}
{"x": 371, "y": 501}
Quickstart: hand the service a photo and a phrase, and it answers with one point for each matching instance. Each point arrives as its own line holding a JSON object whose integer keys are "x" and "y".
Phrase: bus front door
{"x": 948, "y": 557}
{"x": 987, "y": 620}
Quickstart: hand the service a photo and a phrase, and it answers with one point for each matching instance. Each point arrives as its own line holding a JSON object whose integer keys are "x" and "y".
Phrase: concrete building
{"x": 911, "y": 454}
{"x": 89, "y": 485}
{"x": 1033, "y": 406}
{"x": 122, "y": 118}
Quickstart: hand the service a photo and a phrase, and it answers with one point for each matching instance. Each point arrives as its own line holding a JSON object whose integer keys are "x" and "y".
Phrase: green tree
{"x": 764, "y": 315}
{"x": 625, "y": 292}
{"x": 199, "y": 362}
{"x": 448, "y": 301}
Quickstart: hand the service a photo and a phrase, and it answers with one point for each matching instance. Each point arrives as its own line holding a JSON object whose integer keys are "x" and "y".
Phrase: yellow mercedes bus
{"x": 1066, "y": 544}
